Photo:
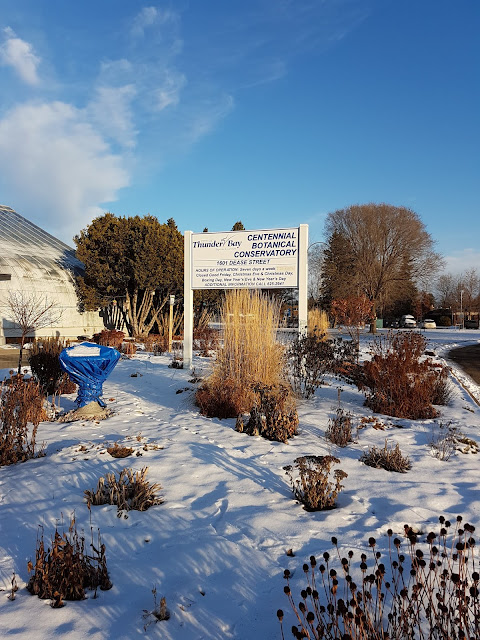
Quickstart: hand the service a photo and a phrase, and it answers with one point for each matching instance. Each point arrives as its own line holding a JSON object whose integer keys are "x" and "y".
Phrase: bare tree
{"x": 31, "y": 311}
{"x": 389, "y": 246}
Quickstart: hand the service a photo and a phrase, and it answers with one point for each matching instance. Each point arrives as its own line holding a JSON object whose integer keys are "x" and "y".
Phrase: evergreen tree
{"x": 135, "y": 260}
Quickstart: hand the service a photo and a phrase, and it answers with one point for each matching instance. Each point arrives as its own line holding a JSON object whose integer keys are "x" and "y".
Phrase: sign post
{"x": 260, "y": 259}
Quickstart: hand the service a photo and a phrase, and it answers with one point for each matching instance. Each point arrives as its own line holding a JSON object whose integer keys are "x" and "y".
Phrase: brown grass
{"x": 117, "y": 451}
{"x": 390, "y": 459}
{"x": 250, "y": 354}
{"x": 130, "y": 490}
{"x": 318, "y": 322}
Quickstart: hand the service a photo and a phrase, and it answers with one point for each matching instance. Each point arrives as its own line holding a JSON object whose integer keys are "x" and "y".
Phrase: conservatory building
{"x": 38, "y": 267}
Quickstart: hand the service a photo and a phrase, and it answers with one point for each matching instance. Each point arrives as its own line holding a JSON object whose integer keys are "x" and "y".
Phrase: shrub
{"x": 340, "y": 428}
{"x": 444, "y": 321}
{"x": 310, "y": 358}
{"x": 250, "y": 354}
{"x": 273, "y": 416}
{"x": 130, "y": 491}
{"x": 399, "y": 382}
{"x": 430, "y": 591}
{"x": 154, "y": 342}
{"x": 65, "y": 570}
{"x": 44, "y": 361}
{"x": 128, "y": 348}
{"x": 109, "y": 338}
{"x": 21, "y": 403}
{"x": 388, "y": 459}
{"x": 311, "y": 483}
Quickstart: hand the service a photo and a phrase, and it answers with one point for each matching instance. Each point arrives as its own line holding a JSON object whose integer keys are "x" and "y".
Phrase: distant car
{"x": 408, "y": 322}
{"x": 428, "y": 324}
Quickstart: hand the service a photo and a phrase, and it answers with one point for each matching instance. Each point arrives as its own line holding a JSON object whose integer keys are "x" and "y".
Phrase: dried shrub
{"x": 340, "y": 428}
{"x": 274, "y": 415}
{"x": 21, "y": 404}
{"x": 431, "y": 590}
{"x": 226, "y": 401}
{"x": 129, "y": 491}
{"x": 399, "y": 381}
{"x": 318, "y": 323}
{"x": 65, "y": 570}
{"x": 388, "y": 459}
{"x": 311, "y": 483}
{"x": 250, "y": 355}
{"x": 444, "y": 440}
{"x": 109, "y": 338}
{"x": 129, "y": 348}
{"x": 44, "y": 361}
{"x": 117, "y": 451}
{"x": 159, "y": 612}
{"x": 154, "y": 342}
{"x": 310, "y": 358}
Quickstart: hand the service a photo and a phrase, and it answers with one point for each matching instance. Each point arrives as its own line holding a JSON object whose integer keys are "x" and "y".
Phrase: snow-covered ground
{"x": 216, "y": 549}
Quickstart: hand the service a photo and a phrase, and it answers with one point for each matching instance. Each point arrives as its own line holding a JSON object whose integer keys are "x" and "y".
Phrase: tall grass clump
{"x": 318, "y": 322}
{"x": 250, "y": 355}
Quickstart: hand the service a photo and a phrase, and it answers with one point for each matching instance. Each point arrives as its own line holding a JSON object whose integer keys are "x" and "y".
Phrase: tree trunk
{"x": 21, "y": 354}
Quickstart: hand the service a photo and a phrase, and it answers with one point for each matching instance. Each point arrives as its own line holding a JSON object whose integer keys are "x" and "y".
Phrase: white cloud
{"x": 111, "y": 110}
{"x": 58, "y": 167}
{"x": 168, "y": 94}
{"x": 460, "y": 261}
{"x": 19, "y": 55}
{"x": 148, "y": 17}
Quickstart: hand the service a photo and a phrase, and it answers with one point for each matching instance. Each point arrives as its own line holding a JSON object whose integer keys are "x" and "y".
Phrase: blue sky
{"x": 273, "y": 112}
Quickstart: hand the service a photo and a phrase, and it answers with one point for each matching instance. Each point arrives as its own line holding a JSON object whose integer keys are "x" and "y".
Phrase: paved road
{"x": 468, "y": 358}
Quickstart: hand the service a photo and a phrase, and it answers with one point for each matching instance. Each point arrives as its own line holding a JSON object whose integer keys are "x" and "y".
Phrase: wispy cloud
{"x": 111, "y": 110}
{"x": 150, "y": 17}
{"x": 56, "y": 166}
{"x": 461, "y": 261}
{"x": 18, "y": 54}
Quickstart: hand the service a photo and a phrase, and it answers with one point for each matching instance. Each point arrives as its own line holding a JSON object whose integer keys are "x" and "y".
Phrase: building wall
{"x": 35, "y": 263}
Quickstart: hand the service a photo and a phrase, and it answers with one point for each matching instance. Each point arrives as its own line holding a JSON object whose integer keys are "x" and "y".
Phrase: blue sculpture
{"x": 89, "y": 365}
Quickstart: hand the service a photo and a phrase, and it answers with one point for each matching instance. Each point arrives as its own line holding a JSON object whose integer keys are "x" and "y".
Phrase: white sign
{"x": 261, "y": 259}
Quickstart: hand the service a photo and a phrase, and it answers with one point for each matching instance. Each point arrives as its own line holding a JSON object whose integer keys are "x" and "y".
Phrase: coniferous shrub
{"x": 21, "y": 405}
{"x": 312, "y": 484}
{"x": 429, "y": 590}
{"x": 399, "y": 381}
{"x": 65, "y": 570}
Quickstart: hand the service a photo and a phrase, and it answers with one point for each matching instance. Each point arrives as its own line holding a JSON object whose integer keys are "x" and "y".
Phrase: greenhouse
{"x": 39, "y": 267}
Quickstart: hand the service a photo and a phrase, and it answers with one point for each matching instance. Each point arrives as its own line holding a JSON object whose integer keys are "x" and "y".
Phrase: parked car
{"x": 428, "y": 324}
{"x": 408, "y": 322}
